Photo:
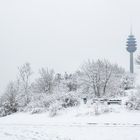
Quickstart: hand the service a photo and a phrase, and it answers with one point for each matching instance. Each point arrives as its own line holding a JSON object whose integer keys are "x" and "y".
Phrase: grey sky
{"x": 61, "y": 34}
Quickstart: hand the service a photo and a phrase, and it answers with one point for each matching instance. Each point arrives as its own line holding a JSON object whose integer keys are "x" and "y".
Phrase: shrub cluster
{"x": 53, "y": 92}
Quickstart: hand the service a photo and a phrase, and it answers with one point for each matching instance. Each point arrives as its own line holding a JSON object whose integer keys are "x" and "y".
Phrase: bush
{"x": 69, "y": 100}
{"x": 100, "y": 108}
{"x": 39, "y": 103}
{"x": 133, "y": 102}
{"x": 128, "y": 81}
{"x": 3, "y": 112}
{"x": 7, "y": 109}
{"x": 52, "y": 103}
{"x": 54, "y": 108}
{"x": 63, "y": 101}
{"x": 9, "y": 100}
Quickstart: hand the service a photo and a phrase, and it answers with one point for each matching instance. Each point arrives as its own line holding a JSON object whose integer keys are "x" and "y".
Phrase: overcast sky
{"x": 61, "y": 34}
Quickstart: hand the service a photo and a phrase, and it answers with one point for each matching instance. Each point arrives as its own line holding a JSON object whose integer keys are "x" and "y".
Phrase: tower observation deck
{"x": 131, "y": 48}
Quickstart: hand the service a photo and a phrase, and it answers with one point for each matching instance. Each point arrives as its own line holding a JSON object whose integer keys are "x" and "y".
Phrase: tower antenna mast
{"x": 131, "y": 30}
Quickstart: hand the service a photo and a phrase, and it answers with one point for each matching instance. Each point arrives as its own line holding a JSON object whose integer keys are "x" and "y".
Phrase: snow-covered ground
{"x": 73, "y": 124}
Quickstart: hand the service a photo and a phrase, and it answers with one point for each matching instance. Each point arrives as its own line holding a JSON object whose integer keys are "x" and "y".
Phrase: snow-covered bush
{"x": 69, "y": 100}
{"x": 7, "y": 109}
{"x": 40, "y": 102}
{"x": 54, "y": 108}
{"x": 9, "y": 101}
{"x": 34, "y": 108}
{"x": 3, "y": 112}
{"x": 100, "y": 108}
{"x": 133, "y": 103}
{"x": 63, "y": 101}
{"x": 53, "y": 111}
{"x": 127, "y": 81}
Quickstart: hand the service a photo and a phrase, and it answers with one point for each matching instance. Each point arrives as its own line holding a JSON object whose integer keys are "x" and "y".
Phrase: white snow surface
{"x": 76, "y": 123}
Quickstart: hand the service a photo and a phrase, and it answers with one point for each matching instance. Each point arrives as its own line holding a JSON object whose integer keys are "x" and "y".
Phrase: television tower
{"x": 131, "y": 48}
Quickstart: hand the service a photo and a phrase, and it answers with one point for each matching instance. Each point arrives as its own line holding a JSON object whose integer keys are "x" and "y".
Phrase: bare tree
{"x": 98, "y": 76}
{"x": 25, "y": 73}
{"x": 45, "y": 83}
{"x": 71, "y": 82}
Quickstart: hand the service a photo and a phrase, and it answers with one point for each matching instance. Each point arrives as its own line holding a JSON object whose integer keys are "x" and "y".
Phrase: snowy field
{"x": 68, "y": 132}
{"x": 119, "y": 125}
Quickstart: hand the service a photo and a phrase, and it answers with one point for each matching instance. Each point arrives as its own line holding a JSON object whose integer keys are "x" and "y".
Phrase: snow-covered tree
{"x": 58, "y": 81}
{"x": 101, "y": 77}
{"x": 24, "y": 78}
{"x": 71, "y": 82}
{"x": 45, "y": 83}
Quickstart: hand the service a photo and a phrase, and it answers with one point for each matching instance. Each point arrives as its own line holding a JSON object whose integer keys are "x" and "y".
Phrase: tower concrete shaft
{"x": 131, "y": 63}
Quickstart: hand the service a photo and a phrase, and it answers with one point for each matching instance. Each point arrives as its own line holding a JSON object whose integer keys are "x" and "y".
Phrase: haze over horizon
{"x": 62, "y": 34}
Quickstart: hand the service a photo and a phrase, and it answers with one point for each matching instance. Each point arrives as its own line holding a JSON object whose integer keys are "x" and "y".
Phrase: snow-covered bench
{"x": 114, "y": 101}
